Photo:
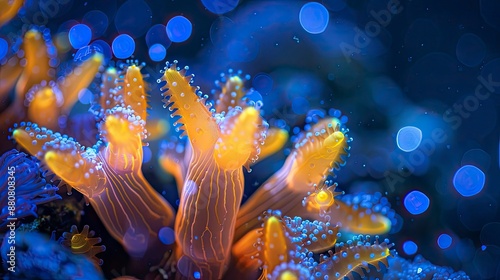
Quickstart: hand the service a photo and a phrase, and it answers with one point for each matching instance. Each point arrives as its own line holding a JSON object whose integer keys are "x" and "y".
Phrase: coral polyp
{"x": 213, "y": 187}
{"x": 83, "y": 243}
{"x": 109, "y": 177}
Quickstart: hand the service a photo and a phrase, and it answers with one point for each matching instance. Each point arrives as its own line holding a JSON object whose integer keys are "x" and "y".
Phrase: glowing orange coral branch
{"x": 113, "y": 183}
{"x": 230, "y": 96}
{"x": 275, "y": 140}
{"x": 196, "y": 120}
{"x": 9, "y": 72}
{"x": 36, "y": 63}
{"x": 313, "y": 158}
{"x": 46, "y": 103}
{"x": 37, "y": 68}
{"x": 213, "y": 187}
{"x": 175, "y": 159}
{"x": 78, "y": 79}
{"x": 354, "y": 257}
{"x": 9, "y": 10}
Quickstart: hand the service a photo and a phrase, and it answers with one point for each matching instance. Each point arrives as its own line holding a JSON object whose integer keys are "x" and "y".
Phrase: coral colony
{"x": 298, "y": 224}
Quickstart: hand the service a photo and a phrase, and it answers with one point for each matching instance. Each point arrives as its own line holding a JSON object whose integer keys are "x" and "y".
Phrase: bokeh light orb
{"x": 166, "y": 235}
{"x": 157, "y": 34}
{"x": 123, "y": 46}
{"x": 489, "y": 12}
{"x": 4, "y": 48}
{"x": 157, "y": 52}
{"x": 85, "y": 96}
{"x": 147, "y": 154}
{"x": 104, "y": 48}
{"x": 410, "y": 247}
{"x": 220, "y": 7}
{"x": 416, "y": 202}
{"x": 444, "y": 241}
{"x": 470, "y": 50}
{"x": 469, "y": 180}
{"x": 79, "y": 36}
{"x": 314, "y": 17}
{"x": 263, "y": 83}
{"x": 134, "y": 17}
{"x": 179, "y": 29}
{"x": 97, "y": 21}
{"x": 219, "y": 31}
{"x": 409, "y": 138}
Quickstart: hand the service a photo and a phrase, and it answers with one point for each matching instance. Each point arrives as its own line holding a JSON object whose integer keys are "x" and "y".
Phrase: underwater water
{"x": 249, "y": 139}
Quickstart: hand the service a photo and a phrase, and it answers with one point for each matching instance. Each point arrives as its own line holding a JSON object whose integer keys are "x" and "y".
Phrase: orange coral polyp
{"x": 316, "y": 154}
{"x": 131, "y": 210}
{"x": 134, "y": 91}
{"x": 214, "y": 183}
{"x": 123, "y": 132}
{"x": 44, "y": 100}
{"x": 275, "y": 140}
{"x": 9, "y": 10}
{"x": 196, "y": 120}
{"x": 81, "y": 174}
{"x": 319, "y": 151}
{"x": 354, "y": 258}
{"x": 79, "y": 79}
{"x": 109, "y": 97}
{"x": 275, "y": 244}
{"x": 229, "y": 98}
{"x": 83, "y": 243}
{"x": 234, "y": 147}
{"x": 37, "y": 68}
{"x": 357, "y": 220}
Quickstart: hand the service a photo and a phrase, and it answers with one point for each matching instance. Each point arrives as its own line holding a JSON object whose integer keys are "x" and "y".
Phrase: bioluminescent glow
{"x": 409, "y": 138}
{"x": 166, "y": 235}
{"x": 179, "y": 29}
{"x": 79, "y": 36}
{"x": 444, "y": 241}
{"x": 146, "y": 154}
{"x": 314, "y": 17}
{"x": 416, "y": 202}
{"x": 469, "y": 180}
{"x": 85, "y": 96}
{"x": 410, "y": 247}
{"x": 470, "y": 50}
{"x": 263, "y": 83}
{"x": 157, "y": 52}
{"x": 123, "y": 46}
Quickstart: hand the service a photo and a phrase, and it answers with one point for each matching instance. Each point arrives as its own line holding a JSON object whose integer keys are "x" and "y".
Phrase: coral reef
{"x": 270, "y": 182}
